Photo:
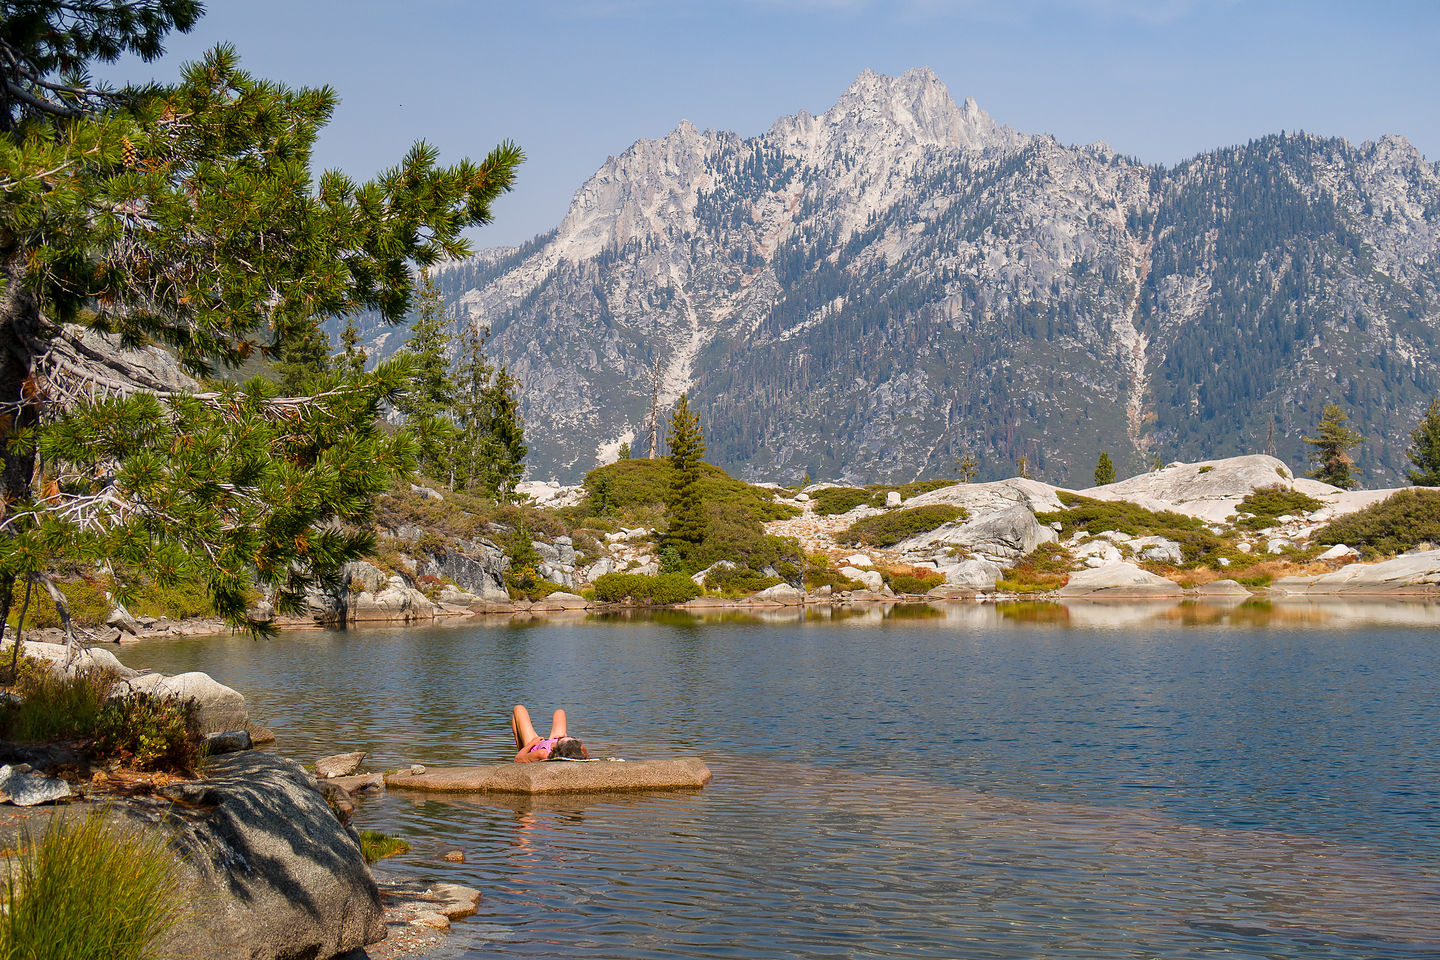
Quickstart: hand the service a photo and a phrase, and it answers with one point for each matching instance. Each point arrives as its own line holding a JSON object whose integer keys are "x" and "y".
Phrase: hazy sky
{"x": 573, "y": 81}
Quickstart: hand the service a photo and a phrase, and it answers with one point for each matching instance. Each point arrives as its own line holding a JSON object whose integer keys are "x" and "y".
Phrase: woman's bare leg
{"x": 557, "y": 725}
{"x": 521, "y": 726}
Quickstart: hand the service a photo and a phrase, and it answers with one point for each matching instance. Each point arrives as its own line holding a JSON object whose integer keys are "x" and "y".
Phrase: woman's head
{"x": 568, "y": 748}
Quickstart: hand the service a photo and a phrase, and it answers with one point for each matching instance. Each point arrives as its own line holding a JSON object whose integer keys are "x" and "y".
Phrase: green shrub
{"x": 175, "y": 601}
{"x": 835, "y": 500}
{"x": 90, "y": 891}
{"x": 643, "y": 588}
{"x": 1097, "y": 516}
{"x": 375, "y": 846}
{"x": 819, "y": 573}
{"x": 739, "y": 582}
{"x": 888, "y": 529}
{"x": 635, "y": 485}
{"x": 149, "y": 732}
{"x": 741, "y": 539}
{"x": 1401, "y": 522}
{"x": 1268, "y": 503}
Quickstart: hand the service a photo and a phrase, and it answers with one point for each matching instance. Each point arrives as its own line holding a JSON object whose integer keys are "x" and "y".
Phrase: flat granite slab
{"x": 576, "y": 776}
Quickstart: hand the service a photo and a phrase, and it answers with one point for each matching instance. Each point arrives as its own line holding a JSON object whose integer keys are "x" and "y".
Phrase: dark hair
{"x": 568, "y": 749}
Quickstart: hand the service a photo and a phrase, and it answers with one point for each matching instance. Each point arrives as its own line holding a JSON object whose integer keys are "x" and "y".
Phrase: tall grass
{"x": 92, "y": 891}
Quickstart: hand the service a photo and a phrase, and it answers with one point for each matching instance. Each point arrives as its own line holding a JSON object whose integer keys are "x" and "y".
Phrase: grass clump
{"x": 375, "y": 845}
{"x": 1401, "y": 522}
{"x": 888, "y": 529}
{"x": 91, "y": 891}
{"x": 1269, "y": 503}
{"x": 1097, "y": 516}
{"x": 665, "y": 588}
{"x": 1042, "y": 570}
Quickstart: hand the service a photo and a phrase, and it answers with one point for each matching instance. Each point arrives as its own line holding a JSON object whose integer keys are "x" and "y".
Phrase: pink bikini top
{"x": 546, "y": 744}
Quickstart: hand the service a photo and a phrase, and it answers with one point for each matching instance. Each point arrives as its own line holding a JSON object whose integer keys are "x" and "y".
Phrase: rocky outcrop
{"x": 1120, "y": 581}
{"x": 1412, "y": 573}
{"x": 1006, "y": 535}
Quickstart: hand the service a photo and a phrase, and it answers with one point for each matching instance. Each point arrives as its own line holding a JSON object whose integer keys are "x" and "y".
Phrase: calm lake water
{"x": 978, "y": 782}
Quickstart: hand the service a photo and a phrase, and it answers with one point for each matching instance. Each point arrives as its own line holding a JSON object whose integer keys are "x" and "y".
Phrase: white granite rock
{"x": 1119, "y": 580}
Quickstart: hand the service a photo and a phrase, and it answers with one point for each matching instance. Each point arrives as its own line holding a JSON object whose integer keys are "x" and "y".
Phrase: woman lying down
{"x": 558, "y": 746}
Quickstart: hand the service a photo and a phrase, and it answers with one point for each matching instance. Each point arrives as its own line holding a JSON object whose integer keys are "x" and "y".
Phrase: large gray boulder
{"x": 985, "y": 498}
{"x": 1118, "y": 580}
{"x": 1007, "y": 535}
{"x": 979, "y": 575}
{"x": 269, "y": 870}
{"x": 219, "y": 707}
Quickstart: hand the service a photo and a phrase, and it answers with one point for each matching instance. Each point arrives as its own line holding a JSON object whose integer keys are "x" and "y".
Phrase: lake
{"x": 973, "y": 781}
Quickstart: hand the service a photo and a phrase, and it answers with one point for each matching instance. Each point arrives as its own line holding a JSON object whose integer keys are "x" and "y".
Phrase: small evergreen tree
{"x": 502, "y": 449}
{"x": 624, "y": 453}
{"x": 687, "y": 452}
{"x": 1104, "y": 470}
{"x": 1424, "y": 449}
{"x": 967, "y": 467}
{"x": 469, "y": 453}
{"x": 1022, "y": 467}
{"x": 1331, "y": 456}
{"x": 428, "y": 402}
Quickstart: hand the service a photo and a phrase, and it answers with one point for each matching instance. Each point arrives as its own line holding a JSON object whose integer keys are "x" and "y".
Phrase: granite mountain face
{"x": 872, "y": 293}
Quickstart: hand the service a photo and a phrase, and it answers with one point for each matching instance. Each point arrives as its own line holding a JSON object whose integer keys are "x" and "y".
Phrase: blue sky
{"x": 573, "y": 81}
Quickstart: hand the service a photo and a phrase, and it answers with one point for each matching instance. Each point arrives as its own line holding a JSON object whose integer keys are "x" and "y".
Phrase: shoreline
{"x": 493, "y": 613}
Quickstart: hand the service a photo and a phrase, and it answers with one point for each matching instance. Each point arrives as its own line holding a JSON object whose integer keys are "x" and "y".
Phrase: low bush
{"x": 739, "y": 582}
{"x": 912, "y": 579}
{"x": 1097, "y": 516}
{"x": 631, "y": 485}
{"x": 1042, "y": 570}
{"x": 149, "y": 732}
{"x": 376, "y": 846}
{"x": 830, "y": 501}
{"x": 89, "y": 891}
{"x": 1268, "y": 503}
{"x": 1401, "y": 522}
{"x": 643, "y": 588}
{"x": 888, "y": 529}
{"x": 819, "y": 573}
{"x": 140, "y": 730}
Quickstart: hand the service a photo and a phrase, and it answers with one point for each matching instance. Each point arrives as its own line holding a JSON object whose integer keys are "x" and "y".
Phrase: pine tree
{"x": 428, "y": 402}
{"x": 1022, "y": 467}
{"x": 1331, "y": 456}
{"x": 502, "y": 449}
{"x": 967, "y": 467}
{"x": 684, "y": 504}
{"x": 473, "y": 376}
{"x": 624, "y": 452}
{"x": 1104, "y": 470}
{"x": 1424, "y": 449}
{"x": 186, "y": 215}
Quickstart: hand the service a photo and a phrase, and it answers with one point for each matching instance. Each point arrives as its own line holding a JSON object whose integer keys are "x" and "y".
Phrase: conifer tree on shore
{"x": 1332, "y": 445}
{"x": 1104, "y": 470}
{"x": 187, "y": 215}
{"x": 687, "y": 451}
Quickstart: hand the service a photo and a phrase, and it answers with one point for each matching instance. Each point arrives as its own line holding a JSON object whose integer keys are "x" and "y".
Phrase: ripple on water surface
{"x": 908, "y": 790}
